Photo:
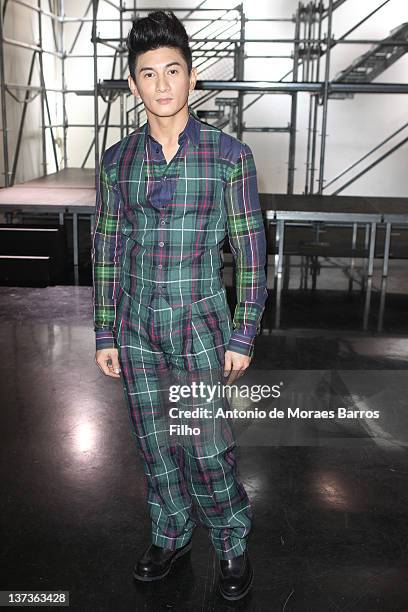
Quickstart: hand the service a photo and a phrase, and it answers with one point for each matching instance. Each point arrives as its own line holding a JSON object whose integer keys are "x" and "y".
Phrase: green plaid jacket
{"x": 159, "y": 228}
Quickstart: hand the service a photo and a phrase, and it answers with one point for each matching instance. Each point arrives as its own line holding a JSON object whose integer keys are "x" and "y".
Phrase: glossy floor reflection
{"x": 330, "y": 499}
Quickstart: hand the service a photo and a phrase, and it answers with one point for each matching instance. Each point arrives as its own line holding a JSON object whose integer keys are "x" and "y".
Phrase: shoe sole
{"x": 143, "y": 578}
{"x": 241, "y": 595}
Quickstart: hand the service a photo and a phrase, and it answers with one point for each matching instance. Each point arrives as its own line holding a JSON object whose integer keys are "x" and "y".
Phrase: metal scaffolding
{"x": 219, "y": 52}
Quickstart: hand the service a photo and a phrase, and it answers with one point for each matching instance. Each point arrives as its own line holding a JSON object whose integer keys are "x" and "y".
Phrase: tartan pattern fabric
{"x": 159, "y": 227}
{"x": 159, "y": 346}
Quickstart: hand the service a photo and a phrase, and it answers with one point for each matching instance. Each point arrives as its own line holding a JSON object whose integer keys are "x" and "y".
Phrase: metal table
{"x": 313, "y": 208}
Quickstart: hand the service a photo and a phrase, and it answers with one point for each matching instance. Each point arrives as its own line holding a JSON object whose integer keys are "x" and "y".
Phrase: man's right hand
{"x": 107, "y": 360}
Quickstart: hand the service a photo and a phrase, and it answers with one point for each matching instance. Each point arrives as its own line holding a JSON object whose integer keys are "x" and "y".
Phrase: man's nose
{"x": 162, "y": 84}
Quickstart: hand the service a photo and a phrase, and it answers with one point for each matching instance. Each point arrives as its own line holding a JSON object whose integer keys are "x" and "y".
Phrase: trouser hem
{"x": 232, "y": 551}
{"x": 171, "y": 543}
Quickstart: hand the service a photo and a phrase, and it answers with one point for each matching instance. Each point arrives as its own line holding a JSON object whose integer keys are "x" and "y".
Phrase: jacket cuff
{"x": 241, "y": 343}
{"x": 104, "y": 339}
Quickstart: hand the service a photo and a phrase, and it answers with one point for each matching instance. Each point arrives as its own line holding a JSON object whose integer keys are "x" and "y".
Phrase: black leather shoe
{"x": 236, "y": 577}
{"x": 156, "y": 562}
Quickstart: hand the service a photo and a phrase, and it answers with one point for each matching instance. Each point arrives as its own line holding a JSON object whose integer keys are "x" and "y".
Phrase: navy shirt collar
{"x": 191, "y": 131}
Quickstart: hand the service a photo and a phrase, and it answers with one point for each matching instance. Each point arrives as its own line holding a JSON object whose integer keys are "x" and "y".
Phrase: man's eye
{"x": 147, "y": 73}
{"x": 173, "y": 70}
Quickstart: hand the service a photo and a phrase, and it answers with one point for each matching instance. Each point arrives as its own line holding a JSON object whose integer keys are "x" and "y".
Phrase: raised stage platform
{"x": 72, "y": 192}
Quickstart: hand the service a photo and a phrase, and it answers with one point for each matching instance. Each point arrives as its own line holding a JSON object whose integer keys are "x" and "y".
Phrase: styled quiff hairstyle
{"x": 158, "y": 29}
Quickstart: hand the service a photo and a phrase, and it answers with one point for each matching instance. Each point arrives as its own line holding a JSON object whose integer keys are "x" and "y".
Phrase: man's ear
{"x": 132, "y": 86}
{"x": 193, "y": 77}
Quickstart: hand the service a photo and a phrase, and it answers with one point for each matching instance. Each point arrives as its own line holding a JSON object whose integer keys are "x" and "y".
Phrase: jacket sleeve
{"x": 105, "y": 255}
{"x": 246, "y": 234}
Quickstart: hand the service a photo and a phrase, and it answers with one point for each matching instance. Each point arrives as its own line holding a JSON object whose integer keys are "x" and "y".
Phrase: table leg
{"x": 366, "y": 243}
{"x": 369, "y": 275}
{"x": 286, "y": 273}
{"x": 306, "y": 276}
{"x": 276, "y": 257}
{"x": 314, "y": 265}
{"x": 302, "y": 271}
{"x": 75, "y": 246}
{"x": 280, "y": 231}
{"x": 384, "y": 275}
{"x": 352, "y": 260}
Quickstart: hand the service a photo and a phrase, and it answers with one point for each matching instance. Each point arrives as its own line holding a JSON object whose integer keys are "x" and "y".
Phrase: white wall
{"x": 354, "y": 126}
{"x": 22, "y": 24}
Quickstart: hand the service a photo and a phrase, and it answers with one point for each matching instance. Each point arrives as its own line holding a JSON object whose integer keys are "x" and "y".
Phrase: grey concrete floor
{"x": 329, "y": 496}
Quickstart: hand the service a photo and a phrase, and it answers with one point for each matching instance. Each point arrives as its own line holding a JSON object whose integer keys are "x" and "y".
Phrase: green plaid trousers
{"x": 158, "y": 346}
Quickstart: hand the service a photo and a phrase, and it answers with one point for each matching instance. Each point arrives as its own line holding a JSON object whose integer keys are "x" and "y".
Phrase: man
{"x": 169, "y": 193}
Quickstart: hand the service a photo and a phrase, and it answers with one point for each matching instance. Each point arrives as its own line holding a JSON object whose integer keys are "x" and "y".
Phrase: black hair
{"x": 158, "y": 29}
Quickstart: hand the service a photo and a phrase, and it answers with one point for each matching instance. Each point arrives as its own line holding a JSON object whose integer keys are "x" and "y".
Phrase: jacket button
{"x": 163, "y": 222}
{"x": 160, "y": 266}
{"x": 161, "y": 244}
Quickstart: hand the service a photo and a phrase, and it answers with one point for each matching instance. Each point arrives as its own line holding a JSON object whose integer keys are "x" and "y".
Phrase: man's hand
{"x": 235, "y": 364}
{"x": 107, "y": 361}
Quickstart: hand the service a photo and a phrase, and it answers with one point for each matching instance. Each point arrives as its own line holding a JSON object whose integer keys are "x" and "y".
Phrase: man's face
{"x": 162, "y": 80}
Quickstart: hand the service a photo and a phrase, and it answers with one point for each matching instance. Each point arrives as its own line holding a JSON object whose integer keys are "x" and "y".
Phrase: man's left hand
{"x": 235, "y": 365}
